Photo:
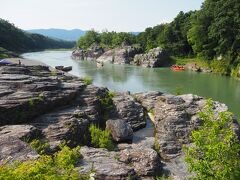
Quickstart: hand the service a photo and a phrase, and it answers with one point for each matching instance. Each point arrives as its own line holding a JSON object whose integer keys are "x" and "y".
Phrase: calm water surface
{"x": 138, "y": 79}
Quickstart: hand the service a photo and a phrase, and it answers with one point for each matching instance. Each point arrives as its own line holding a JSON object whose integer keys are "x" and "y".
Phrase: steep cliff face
{"x": 154, "y": 58}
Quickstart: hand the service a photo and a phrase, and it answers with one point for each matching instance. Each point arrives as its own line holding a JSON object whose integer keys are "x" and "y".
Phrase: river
{"x": 138, "y": 79}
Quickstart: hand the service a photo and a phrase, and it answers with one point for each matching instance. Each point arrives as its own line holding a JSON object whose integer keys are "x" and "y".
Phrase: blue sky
{"x": 117, "y": 15}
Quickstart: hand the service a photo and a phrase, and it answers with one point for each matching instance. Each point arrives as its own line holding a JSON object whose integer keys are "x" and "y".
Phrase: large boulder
{"x": 129, "y": 110}
{"x": 154, "y": 58}
{"x": 120, "y": 55}
{"x": 145, "y": 161}
{"x": 120, "y": 130}
{"x": 92, "y": 53}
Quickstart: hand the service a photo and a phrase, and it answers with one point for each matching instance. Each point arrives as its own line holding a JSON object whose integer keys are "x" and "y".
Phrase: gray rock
{"x": 105, "y": 164}
{"x": 13, "y": 149}
{"x": 120, "y": 130}
{"x": 32, "y": 92}
{"x": 154, "y": 58}
{"x": 120, "y": 55}
{"x": 145, "y": 161}
{"x": 148, "y": 99}
{"x": 128, "y": 109}
{"x": 175, "y": 117}
{"x": 23, "y": 132}
{"x": 91, "y": 53}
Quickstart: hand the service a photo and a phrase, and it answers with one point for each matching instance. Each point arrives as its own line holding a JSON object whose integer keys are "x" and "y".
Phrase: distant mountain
{"x": 17, "y": 40}
{"x": 68, "y": 35}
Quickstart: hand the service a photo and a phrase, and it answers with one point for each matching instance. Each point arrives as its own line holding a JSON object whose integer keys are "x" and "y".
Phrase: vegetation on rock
{"x": 101, "y": 138}
{"x": 59, "y": 166}
{"x": 87, "y": 80}
{"x": 215, "y": 149}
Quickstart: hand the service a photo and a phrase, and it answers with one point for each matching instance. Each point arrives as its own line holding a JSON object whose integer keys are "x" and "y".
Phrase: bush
{"x": 41, "y": 146}
{"x": 87, "y": 80}
{"x": 59, "y": 166}
{"x": 101, "y": 138}
{"x": 215, "y": 151}
{"x": 106, "y": 102}
{"x": 219, "y": 66}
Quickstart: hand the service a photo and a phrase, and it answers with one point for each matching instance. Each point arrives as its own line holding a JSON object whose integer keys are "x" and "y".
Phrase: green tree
{"x": 173, "y": 37}
{"x": 215, "y": 30}
{"x": 107, "y": 38}
{"x": 215, "y": 152}
{"x": 90, "y": 38}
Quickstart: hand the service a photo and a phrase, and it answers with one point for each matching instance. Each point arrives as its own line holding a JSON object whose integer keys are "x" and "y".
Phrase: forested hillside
{"x": 17, "y": 40}
{"x": 210, "y": 37}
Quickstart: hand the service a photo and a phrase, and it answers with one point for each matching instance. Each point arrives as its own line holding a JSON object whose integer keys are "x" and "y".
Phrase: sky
{"x": 113, "y": 15}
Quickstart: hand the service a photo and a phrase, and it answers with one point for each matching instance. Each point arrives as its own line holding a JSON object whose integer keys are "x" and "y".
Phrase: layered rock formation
{"x": 174, "y": 118}
{"x": 91, "y": 53}
{"x": 36, "y": 103}
{"x": 154, "y": 58}
{"x": 120, "y": 55}
{"x": 124, "y": 55}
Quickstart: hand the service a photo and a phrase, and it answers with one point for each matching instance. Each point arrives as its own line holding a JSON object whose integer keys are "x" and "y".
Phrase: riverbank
{"x": 215, "y": 66}
{"x": 39, "y": 104}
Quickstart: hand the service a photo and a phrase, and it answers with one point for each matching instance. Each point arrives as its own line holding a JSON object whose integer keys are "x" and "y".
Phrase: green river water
{"x": 138, "y": 79}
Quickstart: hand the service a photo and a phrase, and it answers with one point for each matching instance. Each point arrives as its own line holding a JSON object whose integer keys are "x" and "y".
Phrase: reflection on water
{"x": 138, "y": 79}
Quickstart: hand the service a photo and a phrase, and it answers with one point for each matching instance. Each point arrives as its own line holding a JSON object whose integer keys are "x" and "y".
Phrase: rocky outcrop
{"x": 124, "y": 55}
{"x": 174, "y": 118}
{"x": 49, "y": 105}
{"x": 129, "y": 110}
{"x": 154, "y": 58}
{"x": 120, "y": 55}
{"x": 105, "y": 164}
{"x": 36, "y": 103}
{"x": 34, "y": 90}
{"x": 138, "y": 161}
{"x": 92, "y": 53}
{"x": 120, "y": 130}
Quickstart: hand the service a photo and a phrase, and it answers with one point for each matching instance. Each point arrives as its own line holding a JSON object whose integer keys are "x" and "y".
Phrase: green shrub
{"x": 219, "y": 66}
{"x": 235, "y": 71}
{"x": 87, "y": 80}
{"x": 41, "y": 146}
{"x": 106, "y": 102}
{"x": 156, "y": 145}
{"x": 59, "y": 166}
{"x": 101, "y": 138}
{"x": 215, "y": 152}
{"x": 31, "y": 102}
